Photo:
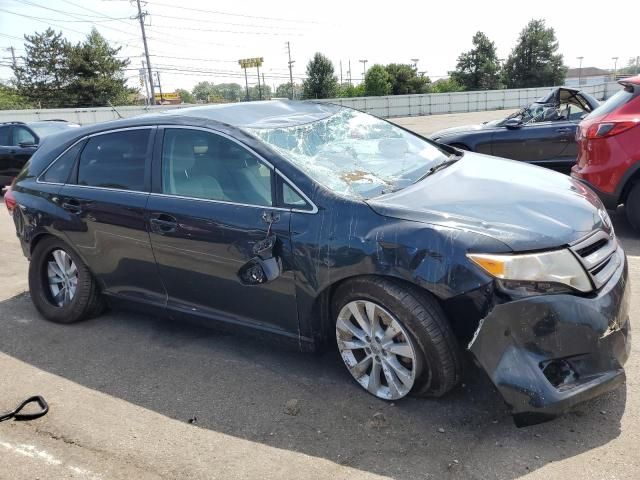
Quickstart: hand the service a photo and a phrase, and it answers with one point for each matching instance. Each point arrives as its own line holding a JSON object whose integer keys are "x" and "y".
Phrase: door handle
{"x": 72, "y": 206}
{"x": 564, "y": 130}
{"x": 163, "y": 223}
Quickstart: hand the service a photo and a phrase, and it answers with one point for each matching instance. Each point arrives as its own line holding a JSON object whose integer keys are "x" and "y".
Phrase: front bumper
{"x": 547, "y": 353}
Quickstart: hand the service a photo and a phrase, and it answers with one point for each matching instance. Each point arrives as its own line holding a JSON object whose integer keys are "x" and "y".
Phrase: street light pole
{"x": 415, "y": 62}
{"x": 364, "y": 68}
{"x": 580, "y": 71}
{"x": 615, "y": 67}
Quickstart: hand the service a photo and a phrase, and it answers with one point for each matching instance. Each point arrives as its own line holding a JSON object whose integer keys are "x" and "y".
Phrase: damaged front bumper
{"x": 548, "y": 353}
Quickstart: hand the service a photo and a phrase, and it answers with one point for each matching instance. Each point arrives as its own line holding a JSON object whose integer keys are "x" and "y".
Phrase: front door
{"x": 212, "y": 203}
{"x": 105, "y": 201}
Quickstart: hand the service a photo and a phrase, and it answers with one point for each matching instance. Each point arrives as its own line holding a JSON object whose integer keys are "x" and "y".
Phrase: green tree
{"x": 479, "y": 68}
{"x": 229, "y": 92}
{"x": 44, "y": 77}
{"x": 204, "y": 91}
{"x": 321, "y": 81}
{"x": 96, "y": 74}
{"x": 405, "y": 79}
{"x": 284, "y": 90}
{"x": 10, "y": 99}
{"x": 445, "y": 85}
{"x": 534, "y": 62}
{"x": 185, "y": 95}
{"x": 632, "y": 68}
{"x": 377, "y": 81}
{"x": 348, "y": 90}
{"x": 254, "y": 94}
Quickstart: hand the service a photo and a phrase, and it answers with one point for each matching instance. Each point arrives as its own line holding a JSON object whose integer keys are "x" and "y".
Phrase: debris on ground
{"x": 292, "y": 407}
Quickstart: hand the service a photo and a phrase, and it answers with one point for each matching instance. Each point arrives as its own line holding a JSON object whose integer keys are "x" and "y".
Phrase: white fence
{"x": 389, "y": 106}
{"x": 458, "y": 102}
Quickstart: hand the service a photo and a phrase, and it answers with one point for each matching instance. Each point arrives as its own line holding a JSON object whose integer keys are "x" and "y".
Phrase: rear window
{"x": 615, "y": 102}
{"x": 60, "y": 170}
{"x": 115, "y": 160}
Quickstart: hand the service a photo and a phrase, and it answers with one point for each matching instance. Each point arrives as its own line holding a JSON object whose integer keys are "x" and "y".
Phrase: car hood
{"x": 524, "y": 206}
{"x": 463, "y": 129}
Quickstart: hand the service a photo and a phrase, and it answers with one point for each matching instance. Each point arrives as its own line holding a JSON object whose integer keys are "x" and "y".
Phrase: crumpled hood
{"x": 462, "y": 129}
{"x": 524, "y": 206}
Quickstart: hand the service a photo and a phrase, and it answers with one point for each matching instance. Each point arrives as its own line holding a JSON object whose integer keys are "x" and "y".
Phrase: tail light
{"x": 10, "y": 199}
{"x": 609, "y": 129}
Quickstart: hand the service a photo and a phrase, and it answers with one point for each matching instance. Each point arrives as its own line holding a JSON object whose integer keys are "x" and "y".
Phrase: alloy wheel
{"x": 377, "y": 349}
{"x": 62, "y": 276}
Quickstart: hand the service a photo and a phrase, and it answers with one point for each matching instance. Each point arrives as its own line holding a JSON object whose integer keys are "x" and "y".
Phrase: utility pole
{"x": 340, "y": 72}
{"x": 615, "y": 67}
{"x": 246, "y": 83}
{"x": 349, "y": 72}
{"x": 291, "y": 62}
{"x": 364, "y": 68}
{"x": 159, "y": 87}
{"x": 13, "y": 57}
{"x": 145, "y": 83}
{"x": 580, "y": 71}
{"x": 146, "y": 52}
{"x": 637, "y": 64}
{"x": 264, "y": 85}
{"x": 259, "y": 88}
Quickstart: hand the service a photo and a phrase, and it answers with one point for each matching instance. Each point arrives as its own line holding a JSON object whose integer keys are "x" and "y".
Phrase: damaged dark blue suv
{"x": 324, "y": 225}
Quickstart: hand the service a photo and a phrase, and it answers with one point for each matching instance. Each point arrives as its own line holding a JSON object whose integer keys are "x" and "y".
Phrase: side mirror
{"x": 27, "y": 144}
{"x": 264, "y": 267}
{"x": 513, "y": 123}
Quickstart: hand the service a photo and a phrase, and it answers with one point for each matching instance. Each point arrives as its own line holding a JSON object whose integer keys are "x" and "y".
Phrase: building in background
{"x": 586, "y": 76}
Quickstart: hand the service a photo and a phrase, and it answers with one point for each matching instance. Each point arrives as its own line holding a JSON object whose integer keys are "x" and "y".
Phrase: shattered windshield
{"x": 353, "y": 153}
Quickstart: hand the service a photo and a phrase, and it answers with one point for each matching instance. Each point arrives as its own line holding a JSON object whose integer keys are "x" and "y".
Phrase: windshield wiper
{"x": 453, "y": 158}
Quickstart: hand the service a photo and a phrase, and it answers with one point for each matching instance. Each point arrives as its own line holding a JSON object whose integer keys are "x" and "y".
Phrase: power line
{"x": 175, "y": 27}
{"x": 218, "y": 12}
{"x": 207, "y": 21}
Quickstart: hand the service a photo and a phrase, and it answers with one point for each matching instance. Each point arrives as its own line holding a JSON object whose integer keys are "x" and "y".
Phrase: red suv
{"x": 609, "y": 150}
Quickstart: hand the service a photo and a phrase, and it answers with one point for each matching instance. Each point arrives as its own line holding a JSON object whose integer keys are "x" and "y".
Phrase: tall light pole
{"x": 415, "y": 62}
{"x": 580, "y": 71}
{"x": 146, "y": 53}
{"x": 615, "y": 67}
{"x": 364, "y": 68}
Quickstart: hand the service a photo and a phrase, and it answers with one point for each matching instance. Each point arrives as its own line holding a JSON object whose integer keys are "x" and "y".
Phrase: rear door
{"x": 5, "y": 154}
{"x": 105, "y": 200}
{"x": 213, "y": 201}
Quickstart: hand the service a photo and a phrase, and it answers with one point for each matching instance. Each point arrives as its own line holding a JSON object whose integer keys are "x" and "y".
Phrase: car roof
{"x": 265, "y": 114}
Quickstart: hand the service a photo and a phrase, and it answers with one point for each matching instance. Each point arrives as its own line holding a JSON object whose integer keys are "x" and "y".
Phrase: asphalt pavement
{"x": 135, "y": 396}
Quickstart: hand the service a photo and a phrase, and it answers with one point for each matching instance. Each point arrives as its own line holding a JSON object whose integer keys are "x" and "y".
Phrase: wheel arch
{"x": 321, "y": 315}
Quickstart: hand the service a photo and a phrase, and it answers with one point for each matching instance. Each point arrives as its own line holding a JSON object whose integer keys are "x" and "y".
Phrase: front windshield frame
{"x": 366, "y": 183}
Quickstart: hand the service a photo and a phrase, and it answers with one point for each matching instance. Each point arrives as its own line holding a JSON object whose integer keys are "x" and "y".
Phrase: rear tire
{"x": 632, "y": 206}
{"x": 432, "y": 355}
{"x": 61, "y": 286}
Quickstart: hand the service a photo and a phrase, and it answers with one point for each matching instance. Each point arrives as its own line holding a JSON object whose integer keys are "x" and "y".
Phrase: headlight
{"x": 547, "y": 272}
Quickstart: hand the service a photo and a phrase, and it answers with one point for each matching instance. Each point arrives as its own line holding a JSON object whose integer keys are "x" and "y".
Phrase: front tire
{"x": 395, "y": 339}
{"x": 61, "y": 286}
{"x": 632, "y": 206}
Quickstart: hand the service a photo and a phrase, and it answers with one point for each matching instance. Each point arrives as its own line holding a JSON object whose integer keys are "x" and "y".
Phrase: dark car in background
{"x": 323, "y": 225}
{"x": 542, "y": 133}
{"x": 18, "y": 141}
{"x": 609, "y": 153}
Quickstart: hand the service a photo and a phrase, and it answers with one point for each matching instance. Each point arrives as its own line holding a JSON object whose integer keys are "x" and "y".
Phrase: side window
{"x": 23, "y": 135}
{"x": 204, "y": 165}
{"x": 60, "y": 170}
{"x": 115, "y": 160}
{"x": 291, "y": 198}
{"x": 4, "y": 135}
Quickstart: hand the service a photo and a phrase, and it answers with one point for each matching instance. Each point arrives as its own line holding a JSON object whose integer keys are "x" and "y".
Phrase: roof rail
{"x": 53, "y": 120}
{"x": 12, "y": 122}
